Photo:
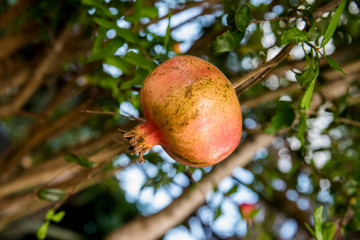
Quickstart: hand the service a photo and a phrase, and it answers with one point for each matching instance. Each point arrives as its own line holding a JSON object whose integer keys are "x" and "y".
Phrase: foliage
{"x": 100, "y": 64}
{"x": 321, "y": 231}
{"x": 50, "y": 217}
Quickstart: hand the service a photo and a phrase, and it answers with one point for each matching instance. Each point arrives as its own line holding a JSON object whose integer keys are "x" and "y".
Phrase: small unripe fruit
{"x": 191, "y": 110}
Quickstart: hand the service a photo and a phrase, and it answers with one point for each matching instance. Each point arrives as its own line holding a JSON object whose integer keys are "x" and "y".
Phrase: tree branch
{"x": 14, "y": 11}
{"x": 155, "y": 226}
{"x": 245, "y": 82}
{"x": 37, "y": 76}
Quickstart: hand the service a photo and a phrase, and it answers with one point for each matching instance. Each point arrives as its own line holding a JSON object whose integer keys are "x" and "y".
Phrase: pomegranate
{"x": 248, "y": 211}
{"x": 191, "y": 110}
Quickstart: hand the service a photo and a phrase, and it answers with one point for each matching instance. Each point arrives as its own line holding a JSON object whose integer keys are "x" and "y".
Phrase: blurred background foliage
{"x": 59, "y": 58}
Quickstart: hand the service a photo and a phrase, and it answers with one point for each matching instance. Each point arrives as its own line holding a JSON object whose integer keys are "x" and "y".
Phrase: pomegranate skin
{"x": 192, "y": 111}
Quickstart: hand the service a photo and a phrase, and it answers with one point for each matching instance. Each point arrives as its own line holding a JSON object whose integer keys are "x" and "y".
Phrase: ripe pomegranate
{"x": 191, "y": 110}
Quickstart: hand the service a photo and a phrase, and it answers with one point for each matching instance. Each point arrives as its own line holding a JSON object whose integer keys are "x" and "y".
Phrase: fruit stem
{"x": 142, "y": 138}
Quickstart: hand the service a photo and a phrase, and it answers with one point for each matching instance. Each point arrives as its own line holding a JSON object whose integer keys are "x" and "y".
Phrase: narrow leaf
{"x": 305, "y": 101}
{"x": 328, "y": 231}
{"x": 218, "y": 212}
{"x": 305, "y": 77}
{"x": 334, "y": 64}
{"x": 227, "y": 41}
{"x": 284, "y": 117}
{"x": 150, "y": 12}
{"x": 82, "y": 161}
{"x": 310, "y": 74}
{"x": 99, "y": 39}
{"x": 92, "y": 3}
{"x": 50, "y": 194}
{"x": 233, "y": 189}
{"x": 302, "y": 128}
{"x": 242, "y": 17}
{"x": 139, "y": 60}
{"x": 125, "y": 34}
{"x": 41, "y": 233}
{"x": 118, "y": 62}
{"x": 137, "y": 80}
{"x": 318, "y": 218}
{"x": 294, "y": 35}
{"x": 333, "y": 24}
{"x": 310, "y": 229}
{"x": 50, "y": 213}
{"x": 167, "y": 37}
{"x": 58, "y": 217}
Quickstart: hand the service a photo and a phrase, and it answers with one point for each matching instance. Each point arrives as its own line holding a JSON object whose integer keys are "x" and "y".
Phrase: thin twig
{"x": 245, "y": 82}
{"x": 314, "y": 47}
{"x": 340, "y": 119}
{"x": 114, "y": 113}
{"x": 275, "y": 19}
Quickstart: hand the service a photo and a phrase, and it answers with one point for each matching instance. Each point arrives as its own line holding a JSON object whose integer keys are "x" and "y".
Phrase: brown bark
{"x": 71, "y": 178}
{"x": 45, "y": 171}
{"x": 14, "y": 11}
{"x": 37, "y": 77}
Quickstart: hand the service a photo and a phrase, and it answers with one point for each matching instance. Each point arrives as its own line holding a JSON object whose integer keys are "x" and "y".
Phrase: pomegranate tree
{"x": 191, "y": 110}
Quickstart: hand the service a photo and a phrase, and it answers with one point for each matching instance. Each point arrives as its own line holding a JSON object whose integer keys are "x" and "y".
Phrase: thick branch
{"x": 155, "y": 226}
{"x": 37, "y": 76}
{"x": 14, "y": 11}
{"x": 10, "y": 161}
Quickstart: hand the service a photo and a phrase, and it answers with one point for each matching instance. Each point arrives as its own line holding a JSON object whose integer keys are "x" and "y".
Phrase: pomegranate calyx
{"x": 142, "y": 138}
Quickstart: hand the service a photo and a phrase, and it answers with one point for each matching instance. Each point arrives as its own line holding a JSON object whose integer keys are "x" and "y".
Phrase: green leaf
{"x": 293, "y": 35}
{"x": 328, "y": 231}
{"x": 135, "y": 17}
{"x": 227, "y": 41}
{"x": 41, "y": 233}
{"x": 51, "y": 216}
{"x": 50, "y": 194}
{"x": 137, "y": 80}
{"x": 50, "y": 213}
{"x": 306, "y": 76}
{"x": 150, "y": 12}
{"x": 107, "y": 51}
{"x": 310, "y": 74}
{"x": 233, "y": 189}
{"x": 284, "y": 117}
{"x": 218, "y": 212}
{"x": 102, "y": 9}
{"x": 118, "y": 62}
{"x": 99, "y": 39}
{"x": 310, "y": 229}
{"x": 58, "y": 217}
{"x": 334, "y": 64}
{"x": 333, "y": 24}
{"x": 82, "y": 161}
{"x": 305, "y": 100}
{"x": 318, "y": 218}
{"x": 242, "y": 17}
{"x": 139, "y": 60}
{"x": 302, "y": 128}
{"x": 167, "y": 37}
{"x": 125, "y": 34}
